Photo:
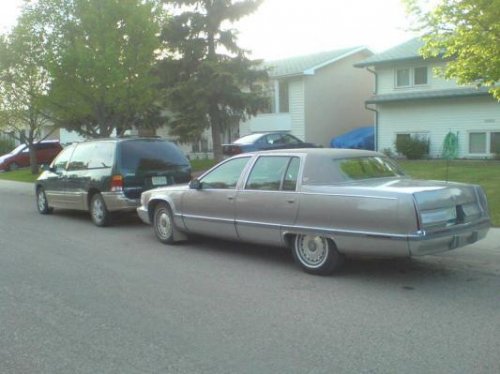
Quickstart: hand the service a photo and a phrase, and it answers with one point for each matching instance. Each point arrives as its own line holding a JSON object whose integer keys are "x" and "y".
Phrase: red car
{"x": 46, "y": 151}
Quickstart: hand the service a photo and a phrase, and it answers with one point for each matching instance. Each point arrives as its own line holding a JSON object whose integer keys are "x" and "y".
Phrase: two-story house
{"x": 412, "y": 99}
{"x": 316, "y": 97}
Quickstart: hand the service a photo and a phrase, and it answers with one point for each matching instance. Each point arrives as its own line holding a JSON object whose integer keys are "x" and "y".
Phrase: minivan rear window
{"x": 147, "y": 155}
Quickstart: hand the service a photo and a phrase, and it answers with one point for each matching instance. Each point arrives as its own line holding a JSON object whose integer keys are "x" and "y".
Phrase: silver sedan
{"x": 323, "y": 203}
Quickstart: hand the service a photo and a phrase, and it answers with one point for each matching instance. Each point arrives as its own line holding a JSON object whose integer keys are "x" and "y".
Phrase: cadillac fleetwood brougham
{"x": 323, "y": 203}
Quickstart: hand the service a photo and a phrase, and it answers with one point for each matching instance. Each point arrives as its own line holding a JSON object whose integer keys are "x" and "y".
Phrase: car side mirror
{"x": 195, "y": 184}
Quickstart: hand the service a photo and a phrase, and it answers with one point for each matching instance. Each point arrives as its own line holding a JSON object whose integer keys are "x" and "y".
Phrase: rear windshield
{"x": 142, "y": 155}
{"x": 331, "y": 171}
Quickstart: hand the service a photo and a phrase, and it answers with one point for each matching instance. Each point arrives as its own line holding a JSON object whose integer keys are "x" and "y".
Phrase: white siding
{"x": 297, "y": 108}
{"x": 437, "y": 118}
{"x": 267, "y": 122}
{"x": 387, "y": 85}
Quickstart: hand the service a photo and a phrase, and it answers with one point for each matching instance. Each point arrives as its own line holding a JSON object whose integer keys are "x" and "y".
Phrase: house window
{"x": 420, "y": 76}
{"x": 495, "y": 142}
{"x": 410, "y": 77}
{"x": 477, "y": 142}
{"x": 283, "y": 95}
{"x": 402, "y": 137}
{"x": 402, "y": 77}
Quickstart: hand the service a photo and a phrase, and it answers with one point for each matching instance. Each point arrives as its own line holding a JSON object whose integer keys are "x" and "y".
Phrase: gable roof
{"x": 307, "y": 65}
{"x": 406, "y": 51}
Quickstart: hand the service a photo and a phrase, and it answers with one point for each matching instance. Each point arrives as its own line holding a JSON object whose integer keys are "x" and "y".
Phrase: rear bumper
{"x": 424, "y": 243}
{"x": 117, "y": 201}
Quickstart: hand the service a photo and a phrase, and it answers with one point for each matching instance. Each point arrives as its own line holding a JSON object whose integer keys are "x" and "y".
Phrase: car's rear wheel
{"x": 42, "y": 203}
{"x": 163, "y": 223}
{"x": 98, "y": 211}
{"x": 316, "y": 254}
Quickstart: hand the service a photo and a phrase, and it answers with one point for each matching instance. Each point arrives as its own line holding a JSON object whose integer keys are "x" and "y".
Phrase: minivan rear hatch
{"x": 150, "y": 163}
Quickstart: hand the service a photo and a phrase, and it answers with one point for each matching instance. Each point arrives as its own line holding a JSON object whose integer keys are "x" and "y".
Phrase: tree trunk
{"x": 33, "y": 160}
{"x": 216, "y": 133}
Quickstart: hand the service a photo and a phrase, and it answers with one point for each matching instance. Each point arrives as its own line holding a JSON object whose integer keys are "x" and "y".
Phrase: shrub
{"x": 6, "y": 145}
{"x": 413, "y": 147}
{"x": 388, "y": 152}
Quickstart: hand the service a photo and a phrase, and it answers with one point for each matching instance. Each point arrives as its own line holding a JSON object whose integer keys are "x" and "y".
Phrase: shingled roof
{"x": 306, "y": 65}
{"x": 402, "y": 52}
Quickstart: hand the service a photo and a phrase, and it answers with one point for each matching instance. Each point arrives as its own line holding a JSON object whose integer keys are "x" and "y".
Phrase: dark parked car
{"x": 323, "y": 203}
{"x": 46, "y": 151}
{"x": 264, "y": 141}
{"x": 109, "y": 175}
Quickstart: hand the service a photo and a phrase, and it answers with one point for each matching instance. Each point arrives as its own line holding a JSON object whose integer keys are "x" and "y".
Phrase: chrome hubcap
{"x": 312, "y": 251}
{"x": 98, "y": 210}
{"x": 42, "y": 202}
{"x": 163, "y": 224}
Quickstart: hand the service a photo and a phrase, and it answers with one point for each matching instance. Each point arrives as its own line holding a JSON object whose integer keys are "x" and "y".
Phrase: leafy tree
{"x": 467, "y": 34}
{"x": 23, "y": 86}
{"x": 102, "y": 54}
{"x": 210, "y": 81}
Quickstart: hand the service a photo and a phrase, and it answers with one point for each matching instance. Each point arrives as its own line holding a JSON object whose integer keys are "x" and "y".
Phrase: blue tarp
{"x": 360, "y": 138}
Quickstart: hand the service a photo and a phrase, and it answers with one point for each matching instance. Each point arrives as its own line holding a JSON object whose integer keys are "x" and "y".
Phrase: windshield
{"x": 18, "y": 149}
{"x": 249, "y": 139}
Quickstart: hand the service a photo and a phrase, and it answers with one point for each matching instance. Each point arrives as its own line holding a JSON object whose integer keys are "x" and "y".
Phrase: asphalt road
{"x": 75, "y": 298}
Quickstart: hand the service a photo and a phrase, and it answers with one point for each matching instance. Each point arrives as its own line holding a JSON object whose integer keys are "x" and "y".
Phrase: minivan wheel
{"x": 316, "y": 254}
{"x": 41, "y": 202}
{"x": 98, "y": 211}
{"x": 163, "y": 223}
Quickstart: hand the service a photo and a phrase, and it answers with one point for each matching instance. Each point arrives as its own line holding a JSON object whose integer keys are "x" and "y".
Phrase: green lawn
{"x": 484, "y": 173}
{"x": 21, "y": 175}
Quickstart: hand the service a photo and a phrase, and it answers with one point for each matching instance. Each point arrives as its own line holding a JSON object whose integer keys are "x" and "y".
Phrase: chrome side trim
{"x": 349, "y": 195}
{"x": 204, "y": 218}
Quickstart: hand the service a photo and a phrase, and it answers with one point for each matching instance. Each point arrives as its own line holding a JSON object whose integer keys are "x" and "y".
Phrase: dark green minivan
{"x": 109, "y": 175}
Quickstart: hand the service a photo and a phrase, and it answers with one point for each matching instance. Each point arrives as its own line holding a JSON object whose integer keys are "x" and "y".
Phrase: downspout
{"x": 373, "y": 109}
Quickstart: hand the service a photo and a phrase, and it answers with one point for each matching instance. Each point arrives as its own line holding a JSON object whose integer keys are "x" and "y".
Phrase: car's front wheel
{"x": 98, "y": 211}
{"x": 316, "y": 254}
{"x": 42, "y": 203}
{"x": 163, "y": 223}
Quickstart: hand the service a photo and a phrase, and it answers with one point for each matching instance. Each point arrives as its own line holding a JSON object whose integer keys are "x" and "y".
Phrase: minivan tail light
{"x": 116, "y": 183}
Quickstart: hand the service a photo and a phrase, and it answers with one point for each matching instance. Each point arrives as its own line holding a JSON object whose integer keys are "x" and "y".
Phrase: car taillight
{"x": 116, "y": 183}
{"x": 233, "y": 150}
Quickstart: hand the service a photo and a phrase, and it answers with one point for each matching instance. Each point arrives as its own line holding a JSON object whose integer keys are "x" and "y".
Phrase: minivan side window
{"x": 62, "y": 159}
{"x": 92, "y": 156}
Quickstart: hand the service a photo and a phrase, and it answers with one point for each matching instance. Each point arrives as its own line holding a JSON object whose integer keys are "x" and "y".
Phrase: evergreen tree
{"x": 209, "y": 80}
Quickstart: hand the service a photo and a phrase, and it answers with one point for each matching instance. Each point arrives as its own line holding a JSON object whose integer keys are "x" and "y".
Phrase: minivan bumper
{"x": 117, "y": 201}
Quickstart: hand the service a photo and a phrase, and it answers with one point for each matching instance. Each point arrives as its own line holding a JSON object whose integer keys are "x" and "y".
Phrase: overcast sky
{"x": 282, "y": 28}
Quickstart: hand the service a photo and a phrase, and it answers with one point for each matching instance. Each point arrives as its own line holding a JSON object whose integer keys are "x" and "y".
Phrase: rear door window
{"x": 267, "y": 173}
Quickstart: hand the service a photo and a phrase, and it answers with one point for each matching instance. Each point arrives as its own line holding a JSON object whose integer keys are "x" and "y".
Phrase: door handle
{"x": 290, "y": 201}
{"x": 230, "y": 197}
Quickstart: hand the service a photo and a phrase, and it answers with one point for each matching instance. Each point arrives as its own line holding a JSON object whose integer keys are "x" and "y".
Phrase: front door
{"x": 210, "y": 209}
